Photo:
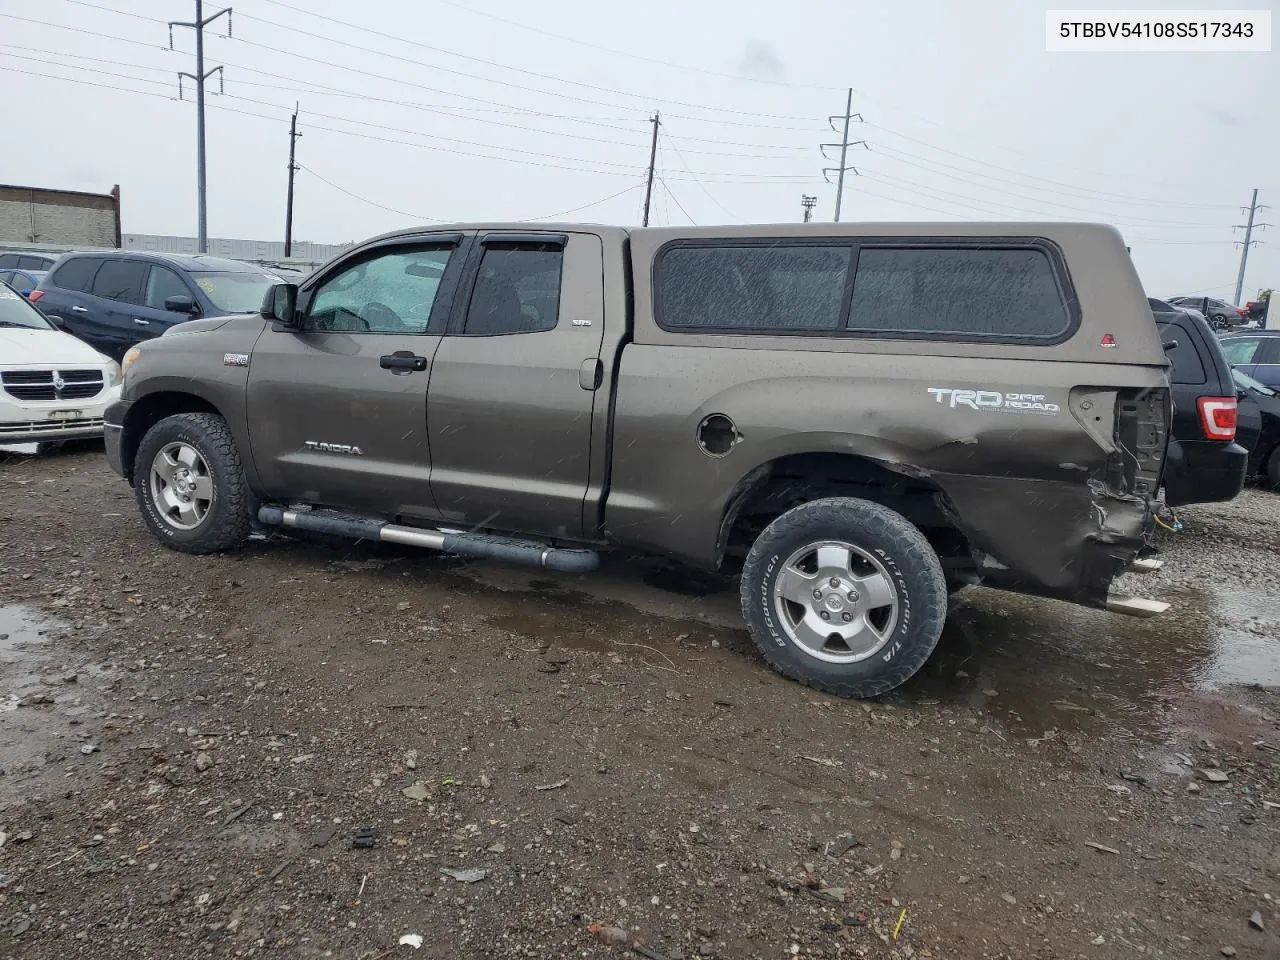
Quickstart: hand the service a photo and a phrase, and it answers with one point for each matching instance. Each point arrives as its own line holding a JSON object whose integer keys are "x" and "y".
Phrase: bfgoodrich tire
{"x": 845, "y": 596}
{"x": 190, "y": 484}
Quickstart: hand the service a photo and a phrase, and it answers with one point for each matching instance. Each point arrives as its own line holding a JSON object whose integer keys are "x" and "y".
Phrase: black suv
{"x": 1213, "y": 430}
{"x": 114, "y": 300}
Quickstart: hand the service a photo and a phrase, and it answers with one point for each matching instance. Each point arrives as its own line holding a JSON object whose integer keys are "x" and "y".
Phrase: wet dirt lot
{"x": 189, "y": 746}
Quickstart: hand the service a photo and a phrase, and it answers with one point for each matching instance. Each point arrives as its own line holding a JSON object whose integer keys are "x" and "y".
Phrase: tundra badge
{"x": 333, "y": 448}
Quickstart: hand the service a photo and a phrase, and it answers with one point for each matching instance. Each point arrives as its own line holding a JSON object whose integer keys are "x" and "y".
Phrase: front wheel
{"x": 844, "y": 595}
{"x": 190, "y": 484}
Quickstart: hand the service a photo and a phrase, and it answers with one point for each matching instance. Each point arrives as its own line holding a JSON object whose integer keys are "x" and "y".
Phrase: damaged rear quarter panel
{"x": 1028, "y": 486}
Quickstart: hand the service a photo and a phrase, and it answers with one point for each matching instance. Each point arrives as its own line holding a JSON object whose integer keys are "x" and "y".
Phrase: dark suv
{"x": 1206, "y": 461}
{"x": 114, "y": 300}
{"x": 27, "y": 261}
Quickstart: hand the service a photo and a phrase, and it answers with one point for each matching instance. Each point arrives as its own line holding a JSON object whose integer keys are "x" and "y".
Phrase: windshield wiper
{"x": 20, "y": 326}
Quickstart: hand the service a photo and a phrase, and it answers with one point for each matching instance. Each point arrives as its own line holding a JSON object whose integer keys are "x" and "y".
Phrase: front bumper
{"x": 113, "y": 435}
{"x": 39, "y": 421}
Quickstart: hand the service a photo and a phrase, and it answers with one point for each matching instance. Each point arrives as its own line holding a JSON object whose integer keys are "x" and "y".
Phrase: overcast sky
{"x": 465, "y": 110}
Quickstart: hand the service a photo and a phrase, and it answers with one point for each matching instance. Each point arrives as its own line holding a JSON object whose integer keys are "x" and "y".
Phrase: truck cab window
{"x": 516, "y": 291}
{"x": 392, "y": 293}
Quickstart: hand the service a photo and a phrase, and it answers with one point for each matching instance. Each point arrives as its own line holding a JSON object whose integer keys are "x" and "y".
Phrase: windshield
{"x": 1246, "y": 381}
{"x": 16, "y": 312}
{"x": 235, "y": 292}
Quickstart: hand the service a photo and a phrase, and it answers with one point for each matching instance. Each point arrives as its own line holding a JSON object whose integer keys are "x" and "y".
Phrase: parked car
{"x": 1256, "y": 353}
{"x": 859, "y": 415}
{"x": 52, "y": 386}
{"x": 1255, "y": 311}
{"x": 1264, "y": 456}
{"x": 114, "y": 300}
{"x": 1205, "y": 463}
{"x": 1219, "y": 313}
{"x": 27, "y": 260}
{"x": 24, "y": 281}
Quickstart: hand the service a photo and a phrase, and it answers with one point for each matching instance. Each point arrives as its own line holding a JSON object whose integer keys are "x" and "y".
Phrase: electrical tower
{"x": 200, "y": 76}
{"x": 844, "y": 145}
{"x": 293, "y": 168}
{"x": 808, "y": 202}
{"x": 656, "y": 120}
{"x": 1252, "y": 210}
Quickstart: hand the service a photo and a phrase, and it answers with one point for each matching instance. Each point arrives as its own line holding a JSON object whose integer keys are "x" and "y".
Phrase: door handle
{"x": 79, "y": 309}
{"x": 402, "y": 360}
{"x": 142, "y": 323}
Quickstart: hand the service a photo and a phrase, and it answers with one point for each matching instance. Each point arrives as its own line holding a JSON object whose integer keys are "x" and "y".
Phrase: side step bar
{"x": 463, "y": 544}
{"x": 1136, "y": 606}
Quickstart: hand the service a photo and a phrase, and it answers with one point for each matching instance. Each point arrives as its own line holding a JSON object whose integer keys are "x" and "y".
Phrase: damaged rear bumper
{"x": 1058, "y": 539}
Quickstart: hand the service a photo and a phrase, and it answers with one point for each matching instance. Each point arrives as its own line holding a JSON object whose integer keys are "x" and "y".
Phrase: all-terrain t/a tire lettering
{"x": 844, "y": 595}
{"x": 190, "y": 485}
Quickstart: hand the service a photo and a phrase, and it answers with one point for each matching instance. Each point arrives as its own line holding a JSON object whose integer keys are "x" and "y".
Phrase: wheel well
{"x": 787, "y": 482}
{"x": 147, "y": 411}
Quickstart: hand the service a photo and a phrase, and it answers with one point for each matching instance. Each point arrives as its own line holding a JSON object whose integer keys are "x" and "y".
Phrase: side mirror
{"x": 180, "y": 304}
{"x": 281, "y": 303}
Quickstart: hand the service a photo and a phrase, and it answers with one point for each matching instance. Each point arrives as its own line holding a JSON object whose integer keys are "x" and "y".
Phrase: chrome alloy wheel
{"x": 836, "y": 602}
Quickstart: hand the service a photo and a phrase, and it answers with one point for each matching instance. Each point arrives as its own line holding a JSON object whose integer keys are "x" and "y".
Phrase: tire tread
{"x": 916, "y": 554}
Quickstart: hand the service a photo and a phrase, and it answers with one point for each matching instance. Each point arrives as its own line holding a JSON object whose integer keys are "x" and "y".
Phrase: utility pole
{"x": 200, "y": 76}
{"x": 844, "y": 146}
{"x": 1252, "y": 210}
{"x": 808, "y": 202}
{"x": 293, "y": 167}
{"x": 653, "y": 159}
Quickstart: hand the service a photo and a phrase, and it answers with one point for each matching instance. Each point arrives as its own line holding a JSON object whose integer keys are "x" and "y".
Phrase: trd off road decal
{"x": 1032, "y": 403}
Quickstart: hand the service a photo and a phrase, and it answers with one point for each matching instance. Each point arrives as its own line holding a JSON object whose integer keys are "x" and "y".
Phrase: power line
{"x": 374, "y": 137}
{"x": 701, "y": 186}
{"x": 372, "y": 203}
{"x": 623, "y": 53}
{"x": 593, "y": 203}
{"x": 313, "y": 88}
{"x": 418, "y": 64}
{"x": 1027, "y": 176}
{"x": 677, "y": 202}
{"x": 493, "y": 63}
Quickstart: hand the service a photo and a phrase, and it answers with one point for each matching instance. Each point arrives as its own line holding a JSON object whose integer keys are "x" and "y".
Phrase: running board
{"x": 460, "y": 543}
{"x": 1146, "y": 565}
{"x": 1136, "y": 606}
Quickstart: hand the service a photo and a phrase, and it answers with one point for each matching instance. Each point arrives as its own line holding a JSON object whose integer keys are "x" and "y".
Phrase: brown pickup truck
{"x": 859, "y": 418}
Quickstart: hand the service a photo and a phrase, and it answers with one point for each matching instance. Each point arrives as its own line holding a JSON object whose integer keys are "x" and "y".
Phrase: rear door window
{"x": 120, "y": 280}
{"x": 77, "y": 274}
{"x": 1187, "y": 366}
{"x": 1009, "y": 294}
{"x": 517, "y": 290}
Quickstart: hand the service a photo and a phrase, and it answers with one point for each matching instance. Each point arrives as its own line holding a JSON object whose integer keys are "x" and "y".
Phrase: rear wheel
{"x": 845, "y": 596}
{"x": 190, "y": 484}
{"x": 1273, "y": 467}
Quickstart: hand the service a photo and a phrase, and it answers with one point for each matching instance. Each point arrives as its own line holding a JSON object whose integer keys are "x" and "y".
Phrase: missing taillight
{"x": 1218, "y": 417}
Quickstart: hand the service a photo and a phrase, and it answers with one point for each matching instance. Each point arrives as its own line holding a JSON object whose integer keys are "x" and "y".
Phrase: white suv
{"x": 52, "y": 386}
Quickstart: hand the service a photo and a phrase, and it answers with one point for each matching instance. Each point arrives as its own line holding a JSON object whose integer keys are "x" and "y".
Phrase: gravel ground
{"x": 189, "y": 748}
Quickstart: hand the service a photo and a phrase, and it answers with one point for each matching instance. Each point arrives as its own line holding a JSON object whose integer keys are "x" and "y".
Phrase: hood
{"x": 203, "y": 324}
{"x": 44, "y": 348}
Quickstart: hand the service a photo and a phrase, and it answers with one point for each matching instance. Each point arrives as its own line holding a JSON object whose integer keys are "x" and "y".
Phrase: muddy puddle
{"x": 1030, "y": 665}
{"x": 44, "y": 703}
